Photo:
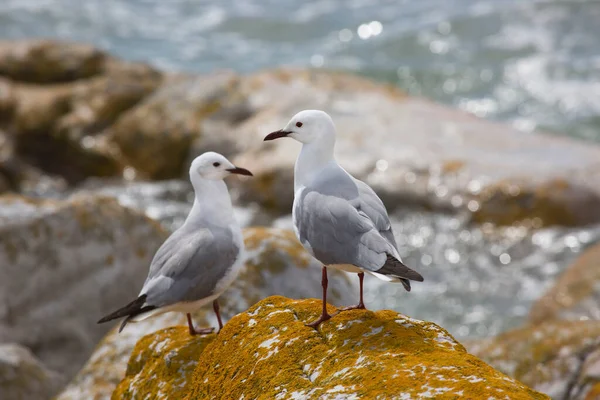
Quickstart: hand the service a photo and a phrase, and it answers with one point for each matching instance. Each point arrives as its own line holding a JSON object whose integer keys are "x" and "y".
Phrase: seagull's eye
{"x": 216, "y": 164}
{"x": 299, "y": 124}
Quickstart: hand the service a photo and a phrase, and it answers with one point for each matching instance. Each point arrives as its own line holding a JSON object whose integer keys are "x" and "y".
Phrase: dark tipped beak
{"x": 240, "y": 171}
{"x": 276, "y": 135}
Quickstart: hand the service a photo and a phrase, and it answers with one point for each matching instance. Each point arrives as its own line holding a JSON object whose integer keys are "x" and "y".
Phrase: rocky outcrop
{"x": 22, "y": 376}
{"x": 63, "y": 259}
{"x": 559, "y": 358}
{"x": 55, "y": 126}
{"x": 157, "y": 136}
{"x": 94, "y": 112}
{"x": 276, "y": 264}
{"x": 576, "y": 293}
{"x": 55, "y": 98}
{"x": 97, "y": 103}
{"x": 49, "y": 61}
{"x": 268, "y": 352}
{"x": 412, "y": 150}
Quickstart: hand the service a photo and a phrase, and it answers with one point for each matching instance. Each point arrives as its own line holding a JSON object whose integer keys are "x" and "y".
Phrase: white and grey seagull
{"x": 195, "y": 265}
{"x": 340, "y": 220}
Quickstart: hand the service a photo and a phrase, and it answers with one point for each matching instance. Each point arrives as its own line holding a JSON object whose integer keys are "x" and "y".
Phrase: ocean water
{"x": 534, "y": 64}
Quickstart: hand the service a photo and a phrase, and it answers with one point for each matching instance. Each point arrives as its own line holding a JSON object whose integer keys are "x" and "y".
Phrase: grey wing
{"x": 189, "y": 265}
{"x": 372, "y": 206}
{"x": 337, "y": 233}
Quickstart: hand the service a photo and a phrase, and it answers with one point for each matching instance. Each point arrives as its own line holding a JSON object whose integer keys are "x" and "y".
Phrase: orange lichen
{"x": 170, "y": 355}
{"x": 268, "y": 352}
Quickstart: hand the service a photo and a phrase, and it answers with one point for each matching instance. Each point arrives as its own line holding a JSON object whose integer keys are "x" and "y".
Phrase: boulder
{"x": 269, "y": 352}
{"x": 414, "y": 151}
{"x": 157, "y": 135}
{"x": 559, "y": 358}
{"x": 69, "y": 262}
{"x": 39, "y": 107}
{"x": 49, "y": 61}
{"x": 37, "y": 141}
{"x": 22, "y": 376}
{"x": 276, "y": 264}
{"x": 97, "y": 102}
{"x": 576, "y": 293}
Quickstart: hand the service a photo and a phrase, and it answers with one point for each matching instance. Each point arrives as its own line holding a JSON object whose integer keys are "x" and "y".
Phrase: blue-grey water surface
{"x": 530, "y": 62}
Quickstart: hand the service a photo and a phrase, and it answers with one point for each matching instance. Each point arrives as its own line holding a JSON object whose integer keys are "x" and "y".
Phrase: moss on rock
{"x": 267, "y": 352}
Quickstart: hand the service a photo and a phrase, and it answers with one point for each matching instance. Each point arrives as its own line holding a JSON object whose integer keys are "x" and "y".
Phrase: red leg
{"x": 324, "y": 315}
{"x": 216, "y": 308}
{"x": 361, "y": 303}
{"x": 194, "y": 331}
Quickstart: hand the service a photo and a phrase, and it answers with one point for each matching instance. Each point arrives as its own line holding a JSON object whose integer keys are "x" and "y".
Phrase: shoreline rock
{"x": 63, "y": 259}
{"x": 268, "y": 352}
{"x": 413, "y": 151}
{"x": 49, "y": 61}
{"x": 576, "y": 293}
{"x": 22, "y": 376}
{"x": 559, "y": 358}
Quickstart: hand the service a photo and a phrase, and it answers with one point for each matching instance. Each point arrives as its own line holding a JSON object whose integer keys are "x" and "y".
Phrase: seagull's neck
{"x": 212, "y": 203}
{"x": 312, "y": 159}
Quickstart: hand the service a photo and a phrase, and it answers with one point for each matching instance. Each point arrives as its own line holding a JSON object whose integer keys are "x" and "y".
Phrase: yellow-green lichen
{"x": 268, "y": 352}
{"x": 169, "y": 355}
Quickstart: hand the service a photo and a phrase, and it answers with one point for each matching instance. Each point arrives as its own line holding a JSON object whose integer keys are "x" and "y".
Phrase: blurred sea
{"x": 535, "y": 64}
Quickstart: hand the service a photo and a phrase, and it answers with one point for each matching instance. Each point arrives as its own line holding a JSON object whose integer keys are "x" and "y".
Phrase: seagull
{"x": 195, "y": 265}
{"x": 340, "y": 220}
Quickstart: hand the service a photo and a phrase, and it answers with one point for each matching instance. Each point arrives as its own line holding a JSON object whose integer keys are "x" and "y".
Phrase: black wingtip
{"x": 395, "y": 267}
{"x": 132, "y": 308}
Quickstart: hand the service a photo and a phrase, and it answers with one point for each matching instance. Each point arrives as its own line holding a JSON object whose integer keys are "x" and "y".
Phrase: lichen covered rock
{"x": 268, "y": 352}
{"x": 68, "y": 263}
{"x": 22, "y": 376}
{"x": 576, "y": 293}
{"x": 559, "y": 358}
{"x": 276, "y": 264}
{"x": 170, "y": 353}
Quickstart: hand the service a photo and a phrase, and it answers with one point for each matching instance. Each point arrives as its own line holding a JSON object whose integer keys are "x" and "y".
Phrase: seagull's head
{"x": 214, "y": 166}
{"x": 307, "y": 126}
